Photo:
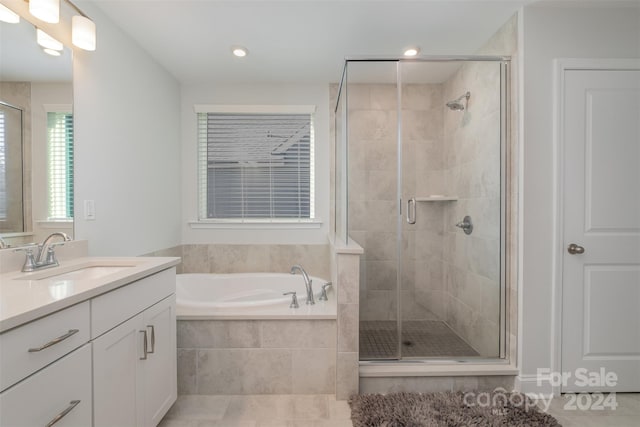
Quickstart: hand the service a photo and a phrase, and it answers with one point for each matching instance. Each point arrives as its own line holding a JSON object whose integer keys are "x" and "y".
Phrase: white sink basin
{"x": 85, "y": 271}
{"x": 88, "y": 273}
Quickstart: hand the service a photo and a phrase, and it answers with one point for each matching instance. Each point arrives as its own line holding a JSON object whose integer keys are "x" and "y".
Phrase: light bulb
{"x": 83, "y": 32}
{"x": 239, "y": 51}
{"x": 7, "y": 15}
{"x": 45, "y": 10}
{"x": 51, "y": 52}
{"x": 46, "y": 41}
{"x": 412, "y": 51}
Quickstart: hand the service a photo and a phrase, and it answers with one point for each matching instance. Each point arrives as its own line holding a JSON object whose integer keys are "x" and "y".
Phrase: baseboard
{"x": 536, "y": 385}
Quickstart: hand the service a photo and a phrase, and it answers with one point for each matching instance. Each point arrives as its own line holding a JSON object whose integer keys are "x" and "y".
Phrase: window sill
{"x": 255, "y": 225}
{"x": 61, "y": 224}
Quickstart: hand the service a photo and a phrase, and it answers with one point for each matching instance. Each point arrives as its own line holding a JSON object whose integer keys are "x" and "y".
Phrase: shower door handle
{"x": 411, "y": 211}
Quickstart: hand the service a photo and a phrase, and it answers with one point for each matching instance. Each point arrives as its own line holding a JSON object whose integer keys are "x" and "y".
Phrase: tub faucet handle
{"x": 294, "y": 299}
{"x": 323, "y": 292}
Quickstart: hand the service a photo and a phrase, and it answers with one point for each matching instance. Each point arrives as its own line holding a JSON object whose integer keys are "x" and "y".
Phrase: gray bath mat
{"x": 447, "y": 409}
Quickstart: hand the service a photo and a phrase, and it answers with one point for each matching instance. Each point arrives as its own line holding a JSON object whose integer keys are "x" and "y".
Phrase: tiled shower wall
{"x": 471, "y": 263}
{"x": 446, "y": 274}
{"x": 372, "y": 190}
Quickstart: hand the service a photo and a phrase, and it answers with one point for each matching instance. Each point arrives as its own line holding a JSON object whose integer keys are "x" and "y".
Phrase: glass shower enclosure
{"x": 420, "y": 181}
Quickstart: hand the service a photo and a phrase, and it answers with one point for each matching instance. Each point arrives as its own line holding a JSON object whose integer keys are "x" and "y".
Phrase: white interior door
{"x": 601, "y": 274}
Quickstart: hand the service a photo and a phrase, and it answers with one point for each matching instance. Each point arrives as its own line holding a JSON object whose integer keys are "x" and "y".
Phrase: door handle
{"x": 574, "y": 249}
{"x": 145, "y": 348}
{"x": 411, "y": 211}
{"x": 153, "y": 339}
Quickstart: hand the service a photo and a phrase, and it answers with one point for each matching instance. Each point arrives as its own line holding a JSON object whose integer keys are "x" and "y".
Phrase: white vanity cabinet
{"x": 134, "y": 363}
{"x": 108, "y": 359}
{"x": 61, "y": 391}
{"x": 35, "y": 396}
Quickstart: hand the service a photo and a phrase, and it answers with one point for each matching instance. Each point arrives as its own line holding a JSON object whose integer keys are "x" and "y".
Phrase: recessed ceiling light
{"x": 411, "y": 51}
{"x": 52, "y": 52}
{"x": 239, "y": 51}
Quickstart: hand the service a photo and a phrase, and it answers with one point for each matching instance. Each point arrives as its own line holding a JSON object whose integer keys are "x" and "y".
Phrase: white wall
{"x": 554, "y": 32}
{"x": 257, "y": 94}
{"x": 127, "y": 130}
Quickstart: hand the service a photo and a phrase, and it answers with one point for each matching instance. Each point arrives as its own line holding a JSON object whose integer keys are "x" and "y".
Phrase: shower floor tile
{"x": 420, "y": 338}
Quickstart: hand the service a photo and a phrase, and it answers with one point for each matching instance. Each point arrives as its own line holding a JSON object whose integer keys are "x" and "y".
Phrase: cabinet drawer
{"x": 37, "y": 400}
{"x": 115, "y": 307}
{"x": 30, "y": 347}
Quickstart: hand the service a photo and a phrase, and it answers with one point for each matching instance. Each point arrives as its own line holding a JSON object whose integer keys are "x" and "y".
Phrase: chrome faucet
{"x": 307, "y": 282}
{"x": 46, "y": 257}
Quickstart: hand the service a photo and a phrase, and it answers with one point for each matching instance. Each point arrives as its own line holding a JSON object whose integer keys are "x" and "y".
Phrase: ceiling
{"x": 21, "y": 59}
{"x": 298, "y": 41}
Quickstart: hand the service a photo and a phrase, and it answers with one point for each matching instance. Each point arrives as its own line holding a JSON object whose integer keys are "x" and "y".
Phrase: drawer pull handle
{"x": 144, "y": 345}
{"x": 62, "y": 414}
{"x": 153, "y": 339}
{"x": 55, "y": 341}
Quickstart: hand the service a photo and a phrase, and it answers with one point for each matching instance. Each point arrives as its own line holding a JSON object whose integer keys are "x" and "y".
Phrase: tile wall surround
{"x": 301, "y": 356}
{"x": 225, "y": 258}
{"x": 256, "y": 357}
{"x": 345, "y": 272}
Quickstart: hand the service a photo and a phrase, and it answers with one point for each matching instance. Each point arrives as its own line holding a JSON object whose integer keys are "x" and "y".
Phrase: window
{"x": 3, "y": 171}
{"x": 256, "y": 166}
{"x": 60, "y": 165}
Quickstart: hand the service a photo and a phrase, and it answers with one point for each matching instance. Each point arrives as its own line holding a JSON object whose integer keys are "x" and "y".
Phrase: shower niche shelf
{"x": 437, "y": 198}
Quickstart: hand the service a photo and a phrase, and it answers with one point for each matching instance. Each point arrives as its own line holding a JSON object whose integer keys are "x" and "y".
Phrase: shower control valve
{"x": 466, "y": 225}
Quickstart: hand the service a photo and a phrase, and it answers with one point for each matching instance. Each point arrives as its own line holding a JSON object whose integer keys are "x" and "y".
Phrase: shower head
{"x": 456, "y": 104}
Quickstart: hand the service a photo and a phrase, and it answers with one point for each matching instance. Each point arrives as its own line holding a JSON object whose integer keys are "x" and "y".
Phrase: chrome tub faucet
{"x": 307, "y": 283}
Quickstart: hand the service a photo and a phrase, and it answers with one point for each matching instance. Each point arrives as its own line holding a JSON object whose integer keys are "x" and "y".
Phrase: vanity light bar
{"x": 83, "y": 29}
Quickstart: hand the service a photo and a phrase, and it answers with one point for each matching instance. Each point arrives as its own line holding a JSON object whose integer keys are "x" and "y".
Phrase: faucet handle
{"x": 294, "y": 299}
{"x": 323, "y": 292}
{"x": 30, "y": 260}
{"x": 51, "y": 257}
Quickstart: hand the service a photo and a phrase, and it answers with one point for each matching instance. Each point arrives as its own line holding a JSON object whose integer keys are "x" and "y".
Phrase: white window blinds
{"x": 3, "y": 171}
{"x": 60, "y": 165}
{"x": 256, "y": 166}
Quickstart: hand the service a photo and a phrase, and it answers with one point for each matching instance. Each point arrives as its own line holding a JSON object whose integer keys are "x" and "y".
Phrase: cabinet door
{"x": 160, "y": 377}
{"x": 62, "y": 389}
{"x": 117, "y": 372}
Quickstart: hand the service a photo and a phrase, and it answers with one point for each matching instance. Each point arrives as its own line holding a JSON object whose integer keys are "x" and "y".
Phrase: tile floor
{"x": 324, "y": 411}
{"x": 258, "y": 411}
{"x": 627, "y": 414}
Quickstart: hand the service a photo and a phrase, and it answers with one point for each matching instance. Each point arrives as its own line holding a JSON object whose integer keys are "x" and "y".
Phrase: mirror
{"x": 36, "y": 137}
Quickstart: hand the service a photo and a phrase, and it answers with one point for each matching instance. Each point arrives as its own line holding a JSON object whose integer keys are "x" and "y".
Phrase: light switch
{"x": 89, "y": 210}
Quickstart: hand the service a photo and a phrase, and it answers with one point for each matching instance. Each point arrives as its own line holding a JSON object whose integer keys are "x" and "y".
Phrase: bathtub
{"x": 249, "y": 296}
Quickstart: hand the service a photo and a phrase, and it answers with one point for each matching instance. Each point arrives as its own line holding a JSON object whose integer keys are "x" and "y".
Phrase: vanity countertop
{"x": 28, "y": 296}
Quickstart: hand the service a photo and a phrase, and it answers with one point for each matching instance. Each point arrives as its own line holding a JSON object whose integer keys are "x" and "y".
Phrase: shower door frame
{"x": 505, "y": 196}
